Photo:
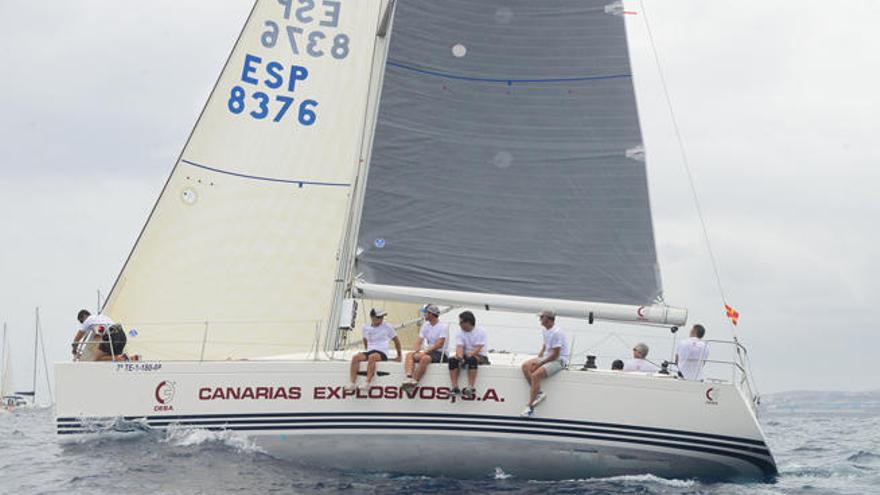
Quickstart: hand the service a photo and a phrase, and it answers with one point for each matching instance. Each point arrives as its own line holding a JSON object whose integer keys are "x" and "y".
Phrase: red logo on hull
{"x": 164, "y": 395}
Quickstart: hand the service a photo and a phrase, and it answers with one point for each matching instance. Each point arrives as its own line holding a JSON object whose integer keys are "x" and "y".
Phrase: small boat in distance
{"x": 373, "y": 153}
{"x": 10, "y": 399}
{"x": 7, "y": 399}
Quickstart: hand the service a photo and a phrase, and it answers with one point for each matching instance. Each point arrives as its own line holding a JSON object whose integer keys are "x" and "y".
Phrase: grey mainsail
{"x": 507, "y": 156}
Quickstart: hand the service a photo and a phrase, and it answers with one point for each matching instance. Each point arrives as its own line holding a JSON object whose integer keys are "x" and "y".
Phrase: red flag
{"x": 732, "y": 314}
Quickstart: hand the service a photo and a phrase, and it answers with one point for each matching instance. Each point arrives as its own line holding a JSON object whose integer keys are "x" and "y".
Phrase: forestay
{"x": 508, "y": 157}
{"x": 240, "y": 249}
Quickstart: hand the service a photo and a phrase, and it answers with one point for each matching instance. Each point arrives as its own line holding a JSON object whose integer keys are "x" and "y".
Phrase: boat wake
{"x": 106, "y": 433}
{"x": 100, "y": 430}
{"x": 649, "y": 478}
{"x": 188, "y": 437}
{"x": 864, "y": 457}
{"x": 501, "y": 475}
{"x": 633, "y": 479}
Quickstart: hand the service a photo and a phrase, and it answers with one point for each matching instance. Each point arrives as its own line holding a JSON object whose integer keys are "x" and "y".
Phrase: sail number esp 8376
{"x": 267, "y": 86}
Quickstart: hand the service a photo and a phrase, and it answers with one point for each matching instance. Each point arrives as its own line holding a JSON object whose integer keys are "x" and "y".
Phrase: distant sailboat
{"x": 484, "y": 154}
{"x": 9, "y": 398}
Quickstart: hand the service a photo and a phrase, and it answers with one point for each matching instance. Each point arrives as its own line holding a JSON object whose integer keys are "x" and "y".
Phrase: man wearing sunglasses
{"x": 429, "y": 347}
{"x": 470, "y": 353}
{"x": 639, "y": 361}
{"x": 377, "y": 334}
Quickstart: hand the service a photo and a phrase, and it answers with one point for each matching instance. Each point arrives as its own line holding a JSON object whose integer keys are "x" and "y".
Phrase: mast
{"x": 45, "y": 365}
{"x": 36, "y": 344}
{"x": 348, "y": 244}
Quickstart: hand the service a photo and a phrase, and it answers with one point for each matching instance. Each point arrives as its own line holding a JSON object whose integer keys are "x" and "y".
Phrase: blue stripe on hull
{"x": 531, "y": 421}
{"x": 758, "y": 456}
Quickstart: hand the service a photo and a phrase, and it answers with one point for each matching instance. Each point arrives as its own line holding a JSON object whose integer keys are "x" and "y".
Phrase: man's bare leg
{"x": 371, "y": 366}
{"x": 472, "y": 377}
{"x": 528, "y": 368}
{"x": 409, "y": 363}
{"x": 356, "y": 361}
{"x": 103, "y": 356}
{"x": 424, "y": 361}
{"x": 537, "y": 376}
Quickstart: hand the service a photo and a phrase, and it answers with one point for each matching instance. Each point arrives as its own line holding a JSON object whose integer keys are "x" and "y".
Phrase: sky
{"x": 776, "y": 103}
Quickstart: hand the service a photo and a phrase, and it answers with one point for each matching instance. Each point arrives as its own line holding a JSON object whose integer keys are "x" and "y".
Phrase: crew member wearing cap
{"x": 638, "y": 362}
{"x": 470, "y": 352}
{"x": 552, "y": 359}
{"x": 376, "y": 336}
{"x": 429, "y": 347}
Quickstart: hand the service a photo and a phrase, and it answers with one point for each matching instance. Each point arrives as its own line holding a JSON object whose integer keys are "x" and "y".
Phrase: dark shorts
{"x": 436, "y": 356}
{"x": 113, "y": 341}
{"x": 468, "y": 362}
{"x": 381, "y": 354}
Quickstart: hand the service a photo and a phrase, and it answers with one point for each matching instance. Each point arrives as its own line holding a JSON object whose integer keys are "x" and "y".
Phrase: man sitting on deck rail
{"x": 638, "y": 362}
{"x": 551, "y": 360}
{"x": 470, "y": 352}
{"x": 691, "y": 354}
{"x": 432, "y": 336}
{"x": 376, "y": 336}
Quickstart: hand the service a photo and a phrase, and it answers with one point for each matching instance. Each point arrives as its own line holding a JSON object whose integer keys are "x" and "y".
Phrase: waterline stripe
{"x": 451, "y": 423}
{"x": 509, "y": 419}
{"x": 766, "y": 467}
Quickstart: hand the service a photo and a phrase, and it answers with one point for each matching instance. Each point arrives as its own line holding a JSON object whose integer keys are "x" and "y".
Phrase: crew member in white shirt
{"x": 99, "y": 324}
{"x": 638, "y": 362}
{"x": 552, "y": 359}
{"x": 429, "y": 347}
{"x": 691, "y": 354}
{"x": 470, "y": 353}
{"x": 376, "y": 336}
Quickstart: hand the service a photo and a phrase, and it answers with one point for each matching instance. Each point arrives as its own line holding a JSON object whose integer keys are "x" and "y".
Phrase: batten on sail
{"x": 240, "y": 250}
{"x": 664, "y": 315}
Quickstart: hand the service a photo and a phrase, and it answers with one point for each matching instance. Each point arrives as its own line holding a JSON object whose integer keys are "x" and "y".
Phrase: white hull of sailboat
{"x": 592, "y": 424}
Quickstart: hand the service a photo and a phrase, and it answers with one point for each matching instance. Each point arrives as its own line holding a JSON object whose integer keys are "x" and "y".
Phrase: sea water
{"x": 823, "y": 443}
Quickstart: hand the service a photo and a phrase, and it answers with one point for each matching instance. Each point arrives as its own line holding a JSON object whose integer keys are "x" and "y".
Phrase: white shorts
{"x": 553, "y": 367}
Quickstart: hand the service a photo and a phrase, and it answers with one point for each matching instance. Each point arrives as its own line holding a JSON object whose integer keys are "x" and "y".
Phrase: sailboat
{"x": 368, "y": 153}
{"x": 9, "y": 399}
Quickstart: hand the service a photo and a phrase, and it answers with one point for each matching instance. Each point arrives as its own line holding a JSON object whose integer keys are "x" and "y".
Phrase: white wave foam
{"x": 650, "y": 478}
{"x": 112, "y": 429}
{"x": 501, "y": 475}
{"x": 186, "y": 437}
{"x": 641, "y": 478}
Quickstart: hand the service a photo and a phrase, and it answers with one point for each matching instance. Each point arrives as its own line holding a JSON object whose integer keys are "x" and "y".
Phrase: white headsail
{"x": 240, "y": 249}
